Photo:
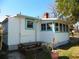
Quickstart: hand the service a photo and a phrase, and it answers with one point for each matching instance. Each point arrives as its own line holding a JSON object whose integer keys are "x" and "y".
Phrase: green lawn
{"x": 69, "y": 51}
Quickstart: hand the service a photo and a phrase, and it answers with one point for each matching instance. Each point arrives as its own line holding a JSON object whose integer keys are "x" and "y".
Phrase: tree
{"x": 67, "y": 8}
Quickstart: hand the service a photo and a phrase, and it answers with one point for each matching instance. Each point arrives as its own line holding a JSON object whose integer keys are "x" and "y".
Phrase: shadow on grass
{"x": 38, "y": 54}
{"x": 63, "y": 57}
{"x": 73, "y": 42}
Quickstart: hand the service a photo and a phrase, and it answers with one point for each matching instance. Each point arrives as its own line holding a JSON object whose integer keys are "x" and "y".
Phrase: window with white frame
{"x": 43, "y": 27}
{"x": 56, "y": 26}
{"x": 29, "y": 24}
{"x": 61, "y": 27}
{"x": 64, "y": 28}
{"x": 49, "y": 26}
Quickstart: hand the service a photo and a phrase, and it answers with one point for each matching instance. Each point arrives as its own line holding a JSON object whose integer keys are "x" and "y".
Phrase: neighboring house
{"x": 1, "y": 35}
{"x": 23, "y": 29}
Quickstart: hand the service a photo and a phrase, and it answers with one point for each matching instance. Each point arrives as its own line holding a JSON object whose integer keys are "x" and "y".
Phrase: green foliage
{"x": 67, "y": 7}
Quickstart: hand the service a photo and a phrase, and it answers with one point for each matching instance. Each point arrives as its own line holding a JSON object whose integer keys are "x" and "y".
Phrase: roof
{"x": 34, "y": 18}
{"x": 49, "y": 18}
{"x": 5, "y": 20}
{"x": 55, "y": 20}
{"x": 19, "y": 15}
{"x": 27, "y": 17}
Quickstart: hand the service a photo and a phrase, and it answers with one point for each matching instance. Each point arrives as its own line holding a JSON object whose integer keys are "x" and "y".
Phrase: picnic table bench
{"x": 30, "y": 46}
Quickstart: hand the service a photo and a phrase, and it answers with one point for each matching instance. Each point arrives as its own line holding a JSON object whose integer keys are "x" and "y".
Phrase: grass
{"x": 69, "y": 51}
{"x": 64, "y": 53}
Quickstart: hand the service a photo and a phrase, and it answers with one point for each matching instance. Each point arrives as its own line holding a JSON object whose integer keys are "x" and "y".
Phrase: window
{"x": 56, "y": 26}
{"x": 63, "y": 27}
{"x": 60, "y": 27}
{"x": 43, "y": 27}
{"x": 66, "y": 28}
{"x": 29, "y": 24}
{"x": 49, "y": 26}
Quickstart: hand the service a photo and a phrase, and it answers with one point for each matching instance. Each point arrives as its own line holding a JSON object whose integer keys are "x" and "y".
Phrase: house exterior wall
{"x": 61, "y": 38}
{"x": 47, "y": 36}
{"x": 27, "y": 35}
{"x": 17, "y": 32}
{"x": 13, "y": 33}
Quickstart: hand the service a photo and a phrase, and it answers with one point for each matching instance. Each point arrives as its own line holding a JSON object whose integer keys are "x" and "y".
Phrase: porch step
{"x": 30, "y": 46}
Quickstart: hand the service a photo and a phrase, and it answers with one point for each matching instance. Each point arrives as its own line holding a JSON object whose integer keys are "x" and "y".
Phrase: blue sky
{"x": 27, "y": 7}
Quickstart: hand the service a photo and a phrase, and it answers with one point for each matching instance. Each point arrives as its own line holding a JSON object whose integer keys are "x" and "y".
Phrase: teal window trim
{"x": 26, "y": 28}
{"x": 29, "y": 24}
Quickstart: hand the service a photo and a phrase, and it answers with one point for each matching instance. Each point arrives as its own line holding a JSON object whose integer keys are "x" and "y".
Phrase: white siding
{"x": 61, "y": 37}
{"x": 17, "y": 32}
{"x": 27, "y": 35}
{"x": 46, "y": 36}
{"x": 38, "y": 28}
{"x": 13, "y": 31}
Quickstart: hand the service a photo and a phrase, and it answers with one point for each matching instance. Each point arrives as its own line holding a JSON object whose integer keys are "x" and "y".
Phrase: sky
{"x": 33, "y": 8}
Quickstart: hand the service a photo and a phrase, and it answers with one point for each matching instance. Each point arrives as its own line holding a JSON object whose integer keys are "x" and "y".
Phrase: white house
{"x": 23, "y": 29}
